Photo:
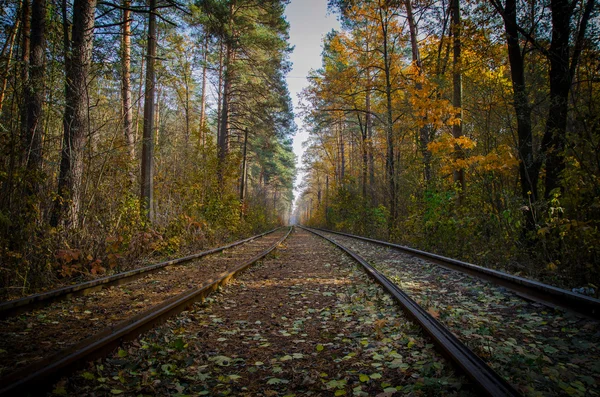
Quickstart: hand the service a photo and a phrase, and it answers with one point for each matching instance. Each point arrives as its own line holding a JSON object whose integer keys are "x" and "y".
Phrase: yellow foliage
{"x": 427, "y": 107}
{"x": 447, "y": 143}
{"x": 500, "y": 160}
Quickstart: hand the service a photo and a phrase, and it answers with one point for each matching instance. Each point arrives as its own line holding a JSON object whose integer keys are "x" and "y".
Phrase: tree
{"x": 76, "y": 124}
{"x": 563, "y": 65}
{"x": 562, "y": 69}
{"x": 457, "y": 128}
{"x": 34, "y": 94}
{"x": 127, "y": 108}
{"x": 147, "y": 183}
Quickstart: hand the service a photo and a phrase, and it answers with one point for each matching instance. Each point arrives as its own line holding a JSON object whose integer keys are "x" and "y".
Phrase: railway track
{"x": 526, "y": 288}
{"x": 28, "y": 303}
{"x": 41, "y": 344}
{"x": 541, "y": 350}
{"x": 488, "y": 381}
{"x": 308, "y": 321}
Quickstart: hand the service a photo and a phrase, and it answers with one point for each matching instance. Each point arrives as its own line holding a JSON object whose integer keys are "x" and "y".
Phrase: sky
{"x": 309, "y": 22}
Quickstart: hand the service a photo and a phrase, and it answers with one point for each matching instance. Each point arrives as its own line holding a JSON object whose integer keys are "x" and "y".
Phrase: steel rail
{"x": 526, "y": 288}
{"x": 36, "y": 377}
{"x": 485, "y": 378}
{"x": 17, "y": 306}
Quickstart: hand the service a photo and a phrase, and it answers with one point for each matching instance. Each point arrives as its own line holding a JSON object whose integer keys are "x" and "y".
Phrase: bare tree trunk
{"x": 187, "y": 110}
{"x": 318, "y": 190}
{"x": 528, "y": 168}
{"x": 342, "y": 153}
{"x": 147, "y": 193}
{"x": 369, "y": 127}
{"x": 389, "y": 125}
{"x": 222, "y": 141}
{"x": 139, "y": 99}
{"x": 126, "y": 83}
{"x": 220, "y": 88}
{"x": 327, "y": 199}
{"x": 243, "y": 178}
{"x": 8, "y": 46}
{"x": 202, "y": 131}
{"x": 68, "y": 202}
{"x": 364, "y": 157}
{"x": 457, "y": 129}
{"x": 25, "y": 56}
{"x": 562, "y": 70}
{"x": 424, "y": 131}
{"x": 34, "y": 94}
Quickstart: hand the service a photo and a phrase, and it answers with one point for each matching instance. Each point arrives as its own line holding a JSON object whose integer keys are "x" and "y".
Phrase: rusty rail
{"x": 526, "y": 288}
{"x": 486, "y": 379}
{"x": 14, "y": 307}
{"x": 35, "y": 377}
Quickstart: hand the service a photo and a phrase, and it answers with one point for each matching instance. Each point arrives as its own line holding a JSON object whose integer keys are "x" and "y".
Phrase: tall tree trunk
{"x": 75, "y": 121}
{"x": 562, "y": 69}
{"x": 202, "y": 133}
{"x": 147, "y": 193}
{"x": 369, "y": 128}
{"x": 389, "y": 123}
{"x": 457, "y": 129}
{"x": 127, "y": 110}
{"x": 342, "y": 152}
{"x": 364, "y": 157}
{"x": 327, "y": 199}
{"x": 139, "y": 98}
{"x": 223, "y": 133}
{"x": 220, "y": 88}
{"x": 186, "y": 106}
{"x": 528, "y": 167}
{"x": 425, "y": 130}
{"x": 34, "y": 95}
{"x": 243, "y": 178}
{"x": 8, "y": 46}
{"x": 25, "y": 56}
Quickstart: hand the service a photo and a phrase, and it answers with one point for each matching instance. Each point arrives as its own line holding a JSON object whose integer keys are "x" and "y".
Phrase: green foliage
{"x": 193, "y": 208}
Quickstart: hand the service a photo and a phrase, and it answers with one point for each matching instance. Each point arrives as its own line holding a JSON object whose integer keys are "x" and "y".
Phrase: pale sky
{"x": 309, "y": 23}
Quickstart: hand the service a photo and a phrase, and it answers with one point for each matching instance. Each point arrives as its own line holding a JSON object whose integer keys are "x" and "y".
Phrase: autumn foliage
{"x": 384, "y": 157}
{"x": 71, "y": 203}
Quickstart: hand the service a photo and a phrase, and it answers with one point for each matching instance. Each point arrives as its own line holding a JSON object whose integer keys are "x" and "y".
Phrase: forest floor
{"x": 305, "y": 321}
{"x": 28, "y": 337}
{"x": 541, "y": 351}
{"x": 75, "y": 268}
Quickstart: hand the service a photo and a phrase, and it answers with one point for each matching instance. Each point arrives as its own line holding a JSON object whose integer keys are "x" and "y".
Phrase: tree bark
{"x": 457, "y": 129}
{"x": 147, "y": 185}
{"x": 34, "y": 94}
{"x": 369, "y": 128}
{"x": 25, "y": 57}
{"x": 424, "y": 131}
{"x": 342, "y": 152}
{"x": 220, "y": 88}
{"x": 389, "y": 125}
{"x": 364, "y": 157}
{"x": 223, "y": 133}
{"x": 243, "y": 177}
{"x": 528, "y": 167}
{"x": 327, "y": 199}
{"x": 8, "y": 46}
{"x": 127, "y": 110}
{"x": 201, "y": 137}
{"x": 75, "y": 121}
{"x": 562, "y": 69}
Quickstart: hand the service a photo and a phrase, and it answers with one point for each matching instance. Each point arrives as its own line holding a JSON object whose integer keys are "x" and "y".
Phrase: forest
{"x": 132, "y": 130}
{"x": 135, "y": 130}
{"x": 466, "y": 128}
